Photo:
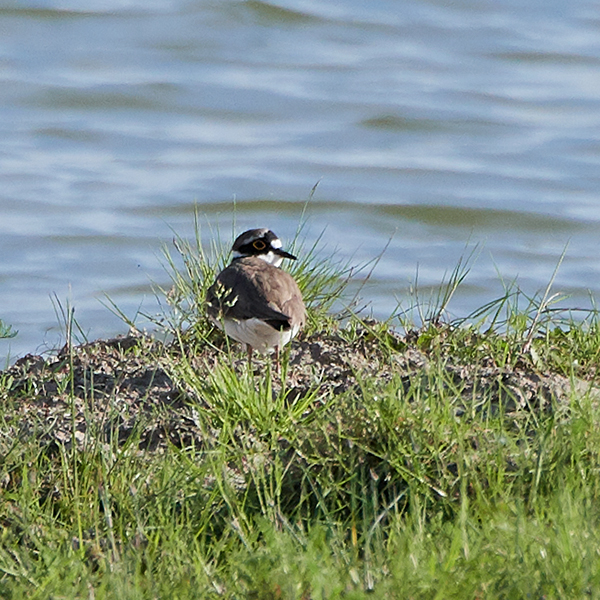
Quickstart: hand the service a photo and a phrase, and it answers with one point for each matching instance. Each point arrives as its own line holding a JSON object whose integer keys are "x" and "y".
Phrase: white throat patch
{"x": 270, "y": 257}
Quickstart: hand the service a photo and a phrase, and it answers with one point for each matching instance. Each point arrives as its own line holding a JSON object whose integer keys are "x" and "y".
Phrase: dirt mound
{"x": 123, "y": 389}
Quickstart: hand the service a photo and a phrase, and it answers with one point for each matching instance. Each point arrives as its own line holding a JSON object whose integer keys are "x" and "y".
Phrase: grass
{"x": 6, "y": 331}
{"x": 406, "y": 484}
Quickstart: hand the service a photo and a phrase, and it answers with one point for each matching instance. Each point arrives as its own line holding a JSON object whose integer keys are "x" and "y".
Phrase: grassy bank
{"x": 432, "y": 461}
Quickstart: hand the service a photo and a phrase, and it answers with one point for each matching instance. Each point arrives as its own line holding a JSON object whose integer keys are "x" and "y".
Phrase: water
{"x": 436, "y": 125}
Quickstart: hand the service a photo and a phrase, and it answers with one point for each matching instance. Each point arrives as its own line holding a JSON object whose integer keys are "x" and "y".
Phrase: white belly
{"x": 256, "y": 333}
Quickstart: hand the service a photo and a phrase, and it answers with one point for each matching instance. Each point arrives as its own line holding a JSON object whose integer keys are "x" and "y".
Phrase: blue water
{"x": 439, "y": 126}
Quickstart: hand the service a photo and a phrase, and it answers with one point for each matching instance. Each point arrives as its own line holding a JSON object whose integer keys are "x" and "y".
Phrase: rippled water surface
{"x": 436, "y": 124}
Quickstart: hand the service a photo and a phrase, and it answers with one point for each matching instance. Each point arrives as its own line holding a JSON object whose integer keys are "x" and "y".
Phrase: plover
{"x": 252, "y": 300}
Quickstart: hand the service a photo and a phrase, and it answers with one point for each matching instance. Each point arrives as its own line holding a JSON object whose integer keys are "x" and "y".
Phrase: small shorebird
{"x": 252, "y": 300}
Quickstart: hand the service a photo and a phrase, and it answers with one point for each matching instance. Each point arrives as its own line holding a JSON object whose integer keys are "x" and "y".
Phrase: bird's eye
{"x": 259, "y": 245}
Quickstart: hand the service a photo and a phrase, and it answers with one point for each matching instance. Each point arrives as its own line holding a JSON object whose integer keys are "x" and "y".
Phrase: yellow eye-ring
{"x": 259, "y": 245}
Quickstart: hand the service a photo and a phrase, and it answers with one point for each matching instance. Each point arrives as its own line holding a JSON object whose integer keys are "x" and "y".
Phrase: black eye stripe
{"x": 259, "y": 245}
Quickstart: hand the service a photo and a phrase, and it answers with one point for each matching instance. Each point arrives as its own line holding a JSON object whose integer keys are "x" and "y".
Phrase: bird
{"x": 254, "y": 301}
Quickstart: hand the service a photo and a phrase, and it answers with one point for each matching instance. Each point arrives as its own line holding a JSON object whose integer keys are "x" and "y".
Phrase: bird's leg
{"x": 281, "y": 370}
{"x": 250, "y": 351}
{"x": 277, "y": 360}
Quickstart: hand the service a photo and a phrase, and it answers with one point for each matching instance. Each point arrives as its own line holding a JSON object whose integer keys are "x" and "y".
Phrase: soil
{"x": 125, "y": 389}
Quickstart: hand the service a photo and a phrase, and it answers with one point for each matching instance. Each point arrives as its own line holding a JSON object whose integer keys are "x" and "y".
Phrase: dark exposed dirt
{"x": 123, "y": 388}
